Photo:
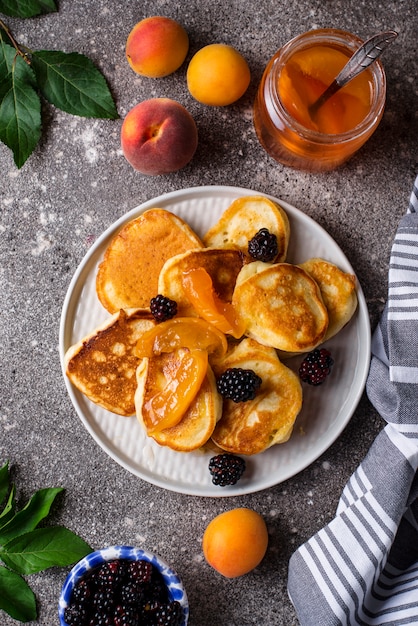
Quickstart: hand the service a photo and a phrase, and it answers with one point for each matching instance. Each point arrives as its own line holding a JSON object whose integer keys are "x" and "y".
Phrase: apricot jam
{"x": 181, "y": 332}
{"x": 183, "y": 379}
{"x": 293, "y": 80}
{"x": 198, "y": 287}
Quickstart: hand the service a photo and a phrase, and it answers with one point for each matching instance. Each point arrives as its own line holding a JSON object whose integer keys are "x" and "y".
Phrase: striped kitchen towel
{"x": 362, "y": 569}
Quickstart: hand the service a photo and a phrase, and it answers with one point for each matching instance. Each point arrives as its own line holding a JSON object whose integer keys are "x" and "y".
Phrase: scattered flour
{"x": 88, "y": 139}
{"x": 43, "y": 243}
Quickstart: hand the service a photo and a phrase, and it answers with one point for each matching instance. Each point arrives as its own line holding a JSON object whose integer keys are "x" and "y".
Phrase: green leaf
{"x": 4, "y": 481}
{"x": 27, "y": 8}
{"x": 72, "y": 83}
{"x": 43, "y": 548}
{"x": 16, "y": 597}
{"x": 20, "y": 119}
{"x": 20, "y": 108}
{"x": 7, "y": 58}
{"x": 29, "y": 517}
{"x": 14, "y": 67}
{"x": 9, "y": 510}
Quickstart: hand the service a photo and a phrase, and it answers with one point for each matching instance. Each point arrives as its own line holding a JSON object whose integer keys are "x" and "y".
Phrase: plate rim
{"x": 326, "y": 440}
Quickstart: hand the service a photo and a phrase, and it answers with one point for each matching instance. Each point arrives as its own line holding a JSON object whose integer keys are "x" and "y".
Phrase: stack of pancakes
{"x": 283, "y": 309}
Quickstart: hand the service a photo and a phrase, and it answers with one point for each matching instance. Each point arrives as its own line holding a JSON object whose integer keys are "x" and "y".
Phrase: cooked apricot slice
{"x": 181, "y": 332}
{"x": 199, "y": 290}
{"x": 167, "y": 407}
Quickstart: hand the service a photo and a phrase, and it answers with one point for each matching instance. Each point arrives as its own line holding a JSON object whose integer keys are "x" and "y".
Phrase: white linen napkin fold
{"x": 362, "y": 568}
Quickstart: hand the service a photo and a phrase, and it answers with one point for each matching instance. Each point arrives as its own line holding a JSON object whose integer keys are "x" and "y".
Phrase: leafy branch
{"x": 69, "y": 81}
{"x": 26, "y": 548}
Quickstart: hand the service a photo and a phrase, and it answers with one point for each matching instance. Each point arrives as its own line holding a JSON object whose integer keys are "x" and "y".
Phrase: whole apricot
{"x": 157, "y": 46}
{"x": 158, "y": 136}
{"x": 235, "y": 542}
{"x": 218, "y": 75}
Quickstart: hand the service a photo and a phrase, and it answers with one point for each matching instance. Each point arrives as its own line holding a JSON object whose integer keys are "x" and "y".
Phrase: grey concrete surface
{"x": 77, "y": 183}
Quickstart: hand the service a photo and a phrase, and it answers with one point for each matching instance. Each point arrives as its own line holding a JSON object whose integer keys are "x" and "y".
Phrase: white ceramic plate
{"x": 326, "y": 409}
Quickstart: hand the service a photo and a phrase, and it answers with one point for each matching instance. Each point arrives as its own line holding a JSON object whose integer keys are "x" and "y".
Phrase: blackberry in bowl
{"x": 123, "y": 586}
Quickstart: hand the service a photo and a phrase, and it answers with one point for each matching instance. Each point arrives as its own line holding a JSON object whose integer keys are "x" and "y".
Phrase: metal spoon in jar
{"x": 367, "y": 54}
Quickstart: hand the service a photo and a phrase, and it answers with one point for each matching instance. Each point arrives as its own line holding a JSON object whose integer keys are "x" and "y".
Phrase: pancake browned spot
{"x": 281, "y": 306}
{"x": 103, "y": 364}
{"x": 253, "y": 426}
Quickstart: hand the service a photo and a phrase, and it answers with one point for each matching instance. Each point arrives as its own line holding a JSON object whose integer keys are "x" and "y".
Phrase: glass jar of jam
{"x": 293, "y": 80}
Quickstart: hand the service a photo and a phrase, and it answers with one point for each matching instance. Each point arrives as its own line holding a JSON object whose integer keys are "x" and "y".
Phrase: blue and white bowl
{"x": 175, "y": 588}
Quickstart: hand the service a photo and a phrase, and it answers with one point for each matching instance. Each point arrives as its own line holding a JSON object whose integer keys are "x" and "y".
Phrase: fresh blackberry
{"x": 238, "y": 385}
{"x": 140, "y": 571}
{"x": 316, "y": 366}
{"x": 226, "y": 469}
{"x": 162, "y": 613}
{"x": 81, "y": 592}
{"x": 168, "y": 614}
{"x": 103, "y": 600}
{"x": 162, "y": 308}
{"x": 110, "y": 574}
{"x": 263, "y": 246}
{"x": 76, "y": 615}
{"x": 131, "y": 594}
{"x": 156, "y": 590}
{"x": 101, "y": 620}
{"x": 126, "y": 616}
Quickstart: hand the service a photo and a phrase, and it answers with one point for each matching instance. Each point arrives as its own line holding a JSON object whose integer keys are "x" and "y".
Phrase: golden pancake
{"x": 253, "y": 426}
{"x": 244, "y": 218}
{"x": 103, "y": 364}
{"x": 338, "y": 291}
{"x": 199, "y": 419}
{"x": 128, "y": 274}
{"x": 281, "y": 306}
{"x": 223, "y": 266}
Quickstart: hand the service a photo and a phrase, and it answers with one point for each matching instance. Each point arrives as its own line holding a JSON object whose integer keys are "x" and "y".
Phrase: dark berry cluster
{"x": 316, "y": 366}
{"x": 163, "y": 308}
{"x": 263, "y": 246}
{"x": 122, "y": 593}
{"x": 226, "y": 469}
{"x": 238, "y": 384}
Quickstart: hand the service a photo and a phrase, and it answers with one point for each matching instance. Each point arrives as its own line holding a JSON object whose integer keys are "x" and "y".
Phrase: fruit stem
{"x": 14, "y": 42}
